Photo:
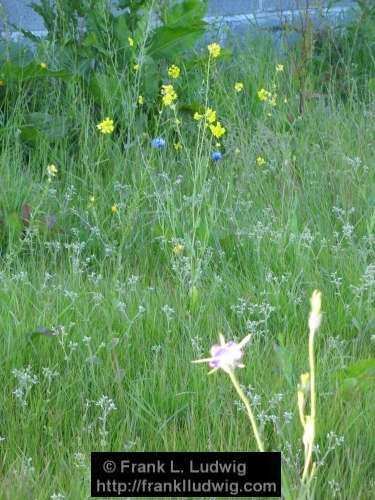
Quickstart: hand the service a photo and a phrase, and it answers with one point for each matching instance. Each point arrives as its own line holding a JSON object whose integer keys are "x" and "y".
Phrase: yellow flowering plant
{"x": 106, "y": 126}
{"x": 123, "y": 53}
{"x": 214, "y": 50}
{"x": 260, "y": 161}
{"x": 267, "y": 96}
{"x": 178, "y": 249}
{"x": 52, "y": 171}
{"x": 169, "y": 95}
{"x": 217, "y": 130}
{"x": 264, "y": 95}
{"x": 238, "y": 86}
{"x": 174, "y": 71}
{"x": 211, "y": 115}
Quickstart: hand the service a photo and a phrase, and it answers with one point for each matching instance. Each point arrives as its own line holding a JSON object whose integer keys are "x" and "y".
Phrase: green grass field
{"x": 125, "y": 265}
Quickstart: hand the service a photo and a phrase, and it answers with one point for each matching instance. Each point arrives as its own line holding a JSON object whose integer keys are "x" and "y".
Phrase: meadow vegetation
{"x": 157, "y": 198}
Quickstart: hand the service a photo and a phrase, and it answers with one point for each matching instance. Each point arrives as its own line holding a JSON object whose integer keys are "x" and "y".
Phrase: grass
{"x": 127, "y": 310}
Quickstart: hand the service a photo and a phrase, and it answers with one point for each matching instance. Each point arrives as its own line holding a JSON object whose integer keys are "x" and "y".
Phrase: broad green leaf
{"x": 151, "y": 80}
{"x": 185, "y": 13}
{"x": 12, "y": 72}
{"x": 131, "y": 4}
{"x": 45, "y": 125}
{"x": 166, "y": 41}
{"x": 54, "y": 127}
{"x": 359, "y": 375}
{"x": 14, "y": 222}
{"x": 107, "y": 91}
{"x": 90, "y": 39}
{"x": 29, "y": 134}
{"x": 121, "y": 30}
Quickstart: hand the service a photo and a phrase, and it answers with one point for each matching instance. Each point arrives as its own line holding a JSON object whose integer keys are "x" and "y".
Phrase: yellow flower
{"x": 217, "y": 130}
{"x": 52, "y": 171}
{"x": 279, "y": 68}
{"x": 130, "y": 41}
{"x": 238, "y": 86}
{"x": 168, "y": 100}
{"x": 169, "y": 95}
{"x": 264, "y": 95}
{"x": 214, "y": 49}
{"x": 114, "y": 209}
{"x": 106, "y": 126}
{"x": 140, "y": 100}
{"x": 260, "y": 161}
{"x": 136, "y": 67}
{"x": 43, "y": 65}
{"x": 174, "y": 71}
{"x": 273, "y": 99}
{"x": 178, "y": 249}
{"x": 2, "y": 83}
{"x": 177, "y": 146}
{"x": 210, "y": 115}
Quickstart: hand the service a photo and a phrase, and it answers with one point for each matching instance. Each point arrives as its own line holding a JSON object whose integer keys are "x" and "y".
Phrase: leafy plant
{"x": 89, "y": 36}
{"x": 114, "y": 55}
{"x": 345, "y": 54}
{"x": 359, "y": 375}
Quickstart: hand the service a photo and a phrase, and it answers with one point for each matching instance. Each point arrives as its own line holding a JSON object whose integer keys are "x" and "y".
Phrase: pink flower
{"x": 226, "y": 355}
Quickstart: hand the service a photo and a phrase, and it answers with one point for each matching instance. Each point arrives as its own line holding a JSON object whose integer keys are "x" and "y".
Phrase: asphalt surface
{"x": 19, "y": 13}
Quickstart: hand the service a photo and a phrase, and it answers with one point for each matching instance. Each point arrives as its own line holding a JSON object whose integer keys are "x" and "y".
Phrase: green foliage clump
{"x": 345, "y": 55}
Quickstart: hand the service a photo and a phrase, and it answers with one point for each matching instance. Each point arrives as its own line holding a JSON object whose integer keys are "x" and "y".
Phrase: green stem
{"x": 248, "y": 409}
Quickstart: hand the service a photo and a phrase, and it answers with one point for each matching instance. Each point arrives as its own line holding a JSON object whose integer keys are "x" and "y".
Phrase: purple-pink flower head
{"x": 226, "y": 355}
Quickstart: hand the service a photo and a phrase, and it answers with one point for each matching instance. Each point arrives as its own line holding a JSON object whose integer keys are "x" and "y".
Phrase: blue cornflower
{"x": 158, "y": 143}
{"x": 216, "y": 156}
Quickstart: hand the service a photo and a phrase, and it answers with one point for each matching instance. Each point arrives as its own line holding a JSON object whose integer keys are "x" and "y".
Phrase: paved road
{"x": 18, "y": 12}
